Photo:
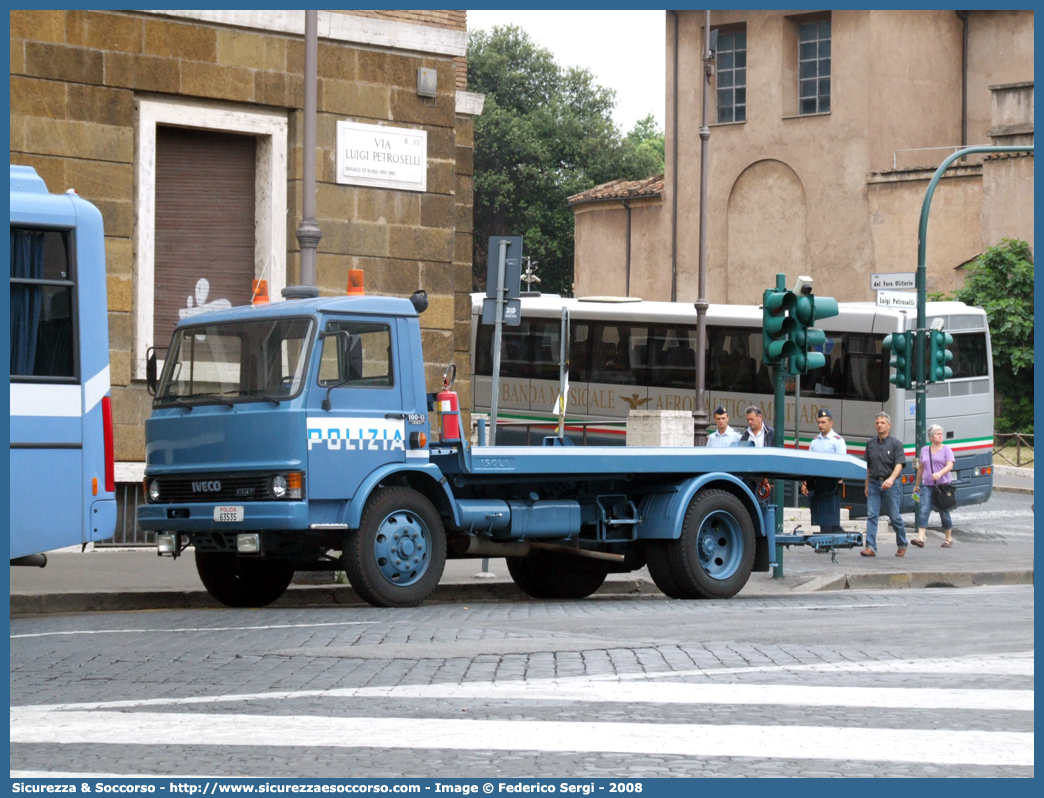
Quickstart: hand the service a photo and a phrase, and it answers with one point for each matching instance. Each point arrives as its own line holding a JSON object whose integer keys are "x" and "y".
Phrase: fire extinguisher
{"x": 447, "y": 399}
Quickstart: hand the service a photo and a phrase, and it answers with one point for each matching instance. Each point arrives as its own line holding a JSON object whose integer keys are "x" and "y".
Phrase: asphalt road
{"x": 935, "y": 682}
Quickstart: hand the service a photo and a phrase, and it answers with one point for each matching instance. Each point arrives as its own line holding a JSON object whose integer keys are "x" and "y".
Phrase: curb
{"x": 926, "y": 579}
{"x": 1012, "y": 489}
{"x": 295, "y": 596}
{"x": 1013, "y": 471}
{"x": 343, "y": 595}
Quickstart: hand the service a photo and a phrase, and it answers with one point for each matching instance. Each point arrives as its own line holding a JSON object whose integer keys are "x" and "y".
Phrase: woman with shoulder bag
{"x": 934, "y": 468}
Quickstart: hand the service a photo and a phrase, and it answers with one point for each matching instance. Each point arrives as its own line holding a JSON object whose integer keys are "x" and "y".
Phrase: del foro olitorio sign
{"x": 382, "y": 157}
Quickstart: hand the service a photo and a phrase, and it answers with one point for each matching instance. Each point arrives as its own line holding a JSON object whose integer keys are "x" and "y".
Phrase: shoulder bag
{"x": 944, "y": 497}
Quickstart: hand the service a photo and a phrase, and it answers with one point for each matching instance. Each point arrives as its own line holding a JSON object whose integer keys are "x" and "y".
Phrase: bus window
{"x": 865, "y": 369}
{"x": 969, "y": 355}
{"x": 514, "y": 351}
{"x": 828, "y": 380}
{"x": 546, "y": 336}
{"x": 579, "y": 352}
{"x": 671, "y": 355}
{"x": 613, "y": 354}
{"x": 737, "y": 370}
{"x": 43, "y": 335}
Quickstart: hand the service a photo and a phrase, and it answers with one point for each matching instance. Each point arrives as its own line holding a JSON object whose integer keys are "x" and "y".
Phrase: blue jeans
{"x": 888, "y": 500}
{"x": 924, "y": 509}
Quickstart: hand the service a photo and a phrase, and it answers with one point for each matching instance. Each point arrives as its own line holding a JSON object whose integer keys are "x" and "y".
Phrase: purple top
{"x": 936, "y": 461}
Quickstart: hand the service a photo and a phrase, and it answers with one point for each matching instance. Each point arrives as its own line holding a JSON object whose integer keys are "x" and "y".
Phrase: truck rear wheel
{"x": 657, "y": 557}
{"x": 242, "y": 581}
{"x": 396, "y": 557}
{"x": 551, "y": 575}
{"x": 714, "y": 556}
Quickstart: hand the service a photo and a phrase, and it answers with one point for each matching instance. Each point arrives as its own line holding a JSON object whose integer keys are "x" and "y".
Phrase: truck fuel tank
{"x": 518, "y": 519}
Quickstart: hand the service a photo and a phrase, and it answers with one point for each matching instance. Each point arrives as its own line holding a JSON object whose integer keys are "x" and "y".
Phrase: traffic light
{"x": 776, "y": 326}
{"x": 808, "y": 309}
{"x": 939, "y": 356}
{"x": 901, "y": 345}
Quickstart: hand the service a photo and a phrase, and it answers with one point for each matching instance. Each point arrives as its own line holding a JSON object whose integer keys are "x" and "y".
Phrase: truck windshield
{"x": 248, "y": 361}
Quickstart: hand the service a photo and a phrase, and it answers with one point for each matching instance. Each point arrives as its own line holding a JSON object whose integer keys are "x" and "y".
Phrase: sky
{"x": 624, "y": 50}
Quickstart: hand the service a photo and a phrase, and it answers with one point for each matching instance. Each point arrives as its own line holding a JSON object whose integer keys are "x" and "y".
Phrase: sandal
{"x": 946, "y": 544}
{"x": 918, "y": 543}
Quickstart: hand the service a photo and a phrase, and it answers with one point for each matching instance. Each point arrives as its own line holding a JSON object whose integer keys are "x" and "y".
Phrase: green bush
{"x": 1001, "y": 283}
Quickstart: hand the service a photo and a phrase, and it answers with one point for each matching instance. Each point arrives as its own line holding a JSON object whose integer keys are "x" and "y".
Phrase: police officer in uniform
{"x": 825, "y": 504}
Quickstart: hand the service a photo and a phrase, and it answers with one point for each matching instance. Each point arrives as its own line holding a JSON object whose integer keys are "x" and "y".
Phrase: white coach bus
{"x": 627, "y": 354}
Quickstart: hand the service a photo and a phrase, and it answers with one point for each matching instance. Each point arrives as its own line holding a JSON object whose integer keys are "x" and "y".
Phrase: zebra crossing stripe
{"x": 39, "y": 725}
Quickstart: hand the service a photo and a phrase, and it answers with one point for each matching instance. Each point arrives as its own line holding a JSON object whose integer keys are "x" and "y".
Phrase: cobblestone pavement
{"x": 926, "y": 683}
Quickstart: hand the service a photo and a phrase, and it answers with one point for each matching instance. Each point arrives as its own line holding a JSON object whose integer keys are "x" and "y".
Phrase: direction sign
{"x": 512, "y": 266}
{"x": 897, "y": 299}
{"x": 884, "y": 282}
{"x": 512, "y": 311}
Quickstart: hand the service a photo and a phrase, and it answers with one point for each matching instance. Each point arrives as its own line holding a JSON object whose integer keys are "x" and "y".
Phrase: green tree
{"x": 647, "y": 139}
{"x": 1001, "y": 283}
{"x": 546, "y": 133}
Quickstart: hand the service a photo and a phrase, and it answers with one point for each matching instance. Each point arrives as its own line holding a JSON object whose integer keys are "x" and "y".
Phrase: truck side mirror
{"x": 419, "y": 300}
{"x": 348, "y": 351}
{"x": 150, "y": 370}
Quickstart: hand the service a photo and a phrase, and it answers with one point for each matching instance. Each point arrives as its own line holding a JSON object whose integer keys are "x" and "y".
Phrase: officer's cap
{"x": 824, "y": 413}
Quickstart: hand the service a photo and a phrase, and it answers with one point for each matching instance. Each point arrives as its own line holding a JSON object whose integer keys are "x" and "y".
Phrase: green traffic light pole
{"x": 780, "y": 419}
{"x": 920, "y": 367}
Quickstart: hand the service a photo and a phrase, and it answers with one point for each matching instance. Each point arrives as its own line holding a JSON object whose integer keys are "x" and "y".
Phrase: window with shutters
{"x": 204, "y": 224}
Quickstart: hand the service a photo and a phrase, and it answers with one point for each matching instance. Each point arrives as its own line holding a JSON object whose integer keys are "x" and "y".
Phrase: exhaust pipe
{"x": 472, "y": 546}
{"x": 33, "y": 560}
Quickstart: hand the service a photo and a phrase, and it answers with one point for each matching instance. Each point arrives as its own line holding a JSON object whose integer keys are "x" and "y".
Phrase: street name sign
{"x": 884, "y": 282}
{"x": 897, "y": 299}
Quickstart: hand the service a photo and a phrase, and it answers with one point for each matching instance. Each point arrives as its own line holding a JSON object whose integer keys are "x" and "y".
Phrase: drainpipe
{"x": 307, "y": 232}
{"x": 674, "y": 170}
{"x": 700, "y": 416}
{"x": 627, "y": 284}
{"x": 964, "y": 79}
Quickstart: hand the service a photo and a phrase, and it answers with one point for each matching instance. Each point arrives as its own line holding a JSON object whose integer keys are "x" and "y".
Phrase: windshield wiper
{"x": 216, "y": 397}
{"x": 262, "y": 395}
{"x": 176, "y": 401}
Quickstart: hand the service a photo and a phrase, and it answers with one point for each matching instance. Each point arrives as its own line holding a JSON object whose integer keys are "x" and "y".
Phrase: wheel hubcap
{"x": 402, "y": 548}
{"x": 719, "y": 545}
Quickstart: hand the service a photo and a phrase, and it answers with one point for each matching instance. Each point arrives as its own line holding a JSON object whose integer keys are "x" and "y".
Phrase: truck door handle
{"x": 401, "y": 416}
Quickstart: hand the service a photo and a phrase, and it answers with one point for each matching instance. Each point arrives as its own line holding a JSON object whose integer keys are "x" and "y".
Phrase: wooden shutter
{"x": 204, "y": 223}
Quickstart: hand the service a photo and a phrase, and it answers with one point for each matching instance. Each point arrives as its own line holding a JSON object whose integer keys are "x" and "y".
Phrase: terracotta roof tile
{"x": 620, "y": 189}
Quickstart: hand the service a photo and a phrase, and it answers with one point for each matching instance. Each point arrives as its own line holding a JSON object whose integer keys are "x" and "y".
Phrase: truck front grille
{"x": 249, "y": 487}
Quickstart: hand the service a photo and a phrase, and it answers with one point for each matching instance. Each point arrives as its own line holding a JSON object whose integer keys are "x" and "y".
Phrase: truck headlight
{"x": 154, "y": 492}
{"x": 279, "y": 486}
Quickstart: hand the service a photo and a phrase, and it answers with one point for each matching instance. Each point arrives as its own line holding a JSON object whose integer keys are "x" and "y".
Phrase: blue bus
{"x": 63, "y": 489}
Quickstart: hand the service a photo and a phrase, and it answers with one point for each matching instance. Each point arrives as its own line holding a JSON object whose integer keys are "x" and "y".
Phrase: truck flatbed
{"x": 534, "y": 461}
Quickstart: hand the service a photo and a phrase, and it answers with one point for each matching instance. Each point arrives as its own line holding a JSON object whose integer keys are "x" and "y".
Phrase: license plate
{"x": 228, "y": 514}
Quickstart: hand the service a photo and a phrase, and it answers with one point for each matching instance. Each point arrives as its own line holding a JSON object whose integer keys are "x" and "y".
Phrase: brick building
{"x": 185, "y": 129}
{"x": 826, "y": 128}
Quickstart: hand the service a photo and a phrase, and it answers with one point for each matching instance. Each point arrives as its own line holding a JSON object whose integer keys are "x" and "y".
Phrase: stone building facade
{"x": 826, "y": 129}
{"x": 115, "y": 103}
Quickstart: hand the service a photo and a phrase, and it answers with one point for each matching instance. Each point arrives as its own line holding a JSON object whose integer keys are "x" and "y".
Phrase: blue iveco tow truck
{"x": 297, "y": 435}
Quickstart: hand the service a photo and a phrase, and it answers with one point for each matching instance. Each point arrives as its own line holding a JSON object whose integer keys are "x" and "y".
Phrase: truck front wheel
{"x": 551, "y": 575}
{"x": 242, "y": 581}
{"x": 714, "y": 556}
{"x": 396, "y": 557}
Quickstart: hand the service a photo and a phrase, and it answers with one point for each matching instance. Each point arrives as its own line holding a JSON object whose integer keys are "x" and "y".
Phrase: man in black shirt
{"x": 885, "y": 458}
